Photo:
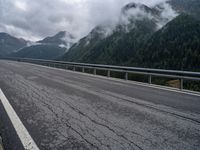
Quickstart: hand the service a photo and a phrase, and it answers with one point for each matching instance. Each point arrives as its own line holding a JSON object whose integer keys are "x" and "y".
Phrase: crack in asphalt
{"x": 74, "y": 115}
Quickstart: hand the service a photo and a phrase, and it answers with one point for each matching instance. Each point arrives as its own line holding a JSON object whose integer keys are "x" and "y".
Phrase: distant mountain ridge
{"x": 40, "y": 52}
{"x": 48, "y": 48}
{"x": 63, "y": 39}
{"x": 10, "y": 44}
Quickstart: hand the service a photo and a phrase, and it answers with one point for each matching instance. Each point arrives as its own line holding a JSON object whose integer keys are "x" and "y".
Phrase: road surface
{"x": 69, "y": 110}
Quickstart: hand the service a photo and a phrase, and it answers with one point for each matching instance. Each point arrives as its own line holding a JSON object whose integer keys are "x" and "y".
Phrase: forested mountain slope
{"x": 175, "y": 46}
{"x": 121, "y": 44}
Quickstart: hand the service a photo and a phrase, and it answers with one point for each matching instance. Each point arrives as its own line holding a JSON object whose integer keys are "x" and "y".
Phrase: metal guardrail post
{"x": 126, "y": 76}
{"x": 181, "y": 84}
{"x": 108, "y": 73}
{"x": 150, "y": 79}
{"x": 63, "y": 66}
{"x": 83, "y": 69}
{"x": 171, "y": 74}
{"x": 95, "y": 71}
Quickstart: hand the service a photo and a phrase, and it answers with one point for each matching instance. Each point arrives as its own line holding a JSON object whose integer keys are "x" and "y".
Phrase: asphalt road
{"x": 68, "y": 110}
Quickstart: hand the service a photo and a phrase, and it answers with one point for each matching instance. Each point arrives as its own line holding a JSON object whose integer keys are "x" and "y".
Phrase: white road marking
{"x": 22, "y": 132}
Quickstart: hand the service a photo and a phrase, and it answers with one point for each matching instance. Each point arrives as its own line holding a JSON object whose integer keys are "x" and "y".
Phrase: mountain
{"x": 135, "y": 6}
{"x": 115, "y": 46}
{"x": 175, "y": 46}
{"x": 48, "y": 48}
{"x": 191, "y": 7}
{"x": 143, "y": 37}
{"x": 137, "y": 40}
{"x": 9, "y": 44}
{"x": 62, "y": 39}
{"x": 40, "y": 52}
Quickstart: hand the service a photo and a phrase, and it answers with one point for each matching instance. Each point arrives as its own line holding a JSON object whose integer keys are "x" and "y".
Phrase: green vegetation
{"x": 114, "y": 49}
{"x": 175, "y": 46}
{"x": 191, "y": 7}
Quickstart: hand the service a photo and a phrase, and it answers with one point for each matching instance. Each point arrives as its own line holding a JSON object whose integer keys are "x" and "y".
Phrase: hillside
{"x": 120, "y": 45}
{"x": 9, "y": 44}
{"x": 48, "y": 48}
{"x": 40, "y": 52}
{"x": 191, "y": 7}
{"x": 62, "y": 39}
{"x": 175, "y": 46}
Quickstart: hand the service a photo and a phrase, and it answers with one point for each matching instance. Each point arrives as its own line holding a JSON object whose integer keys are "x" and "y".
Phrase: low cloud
{"x": 167, "y": 14}
{"x": 37, "y": 19}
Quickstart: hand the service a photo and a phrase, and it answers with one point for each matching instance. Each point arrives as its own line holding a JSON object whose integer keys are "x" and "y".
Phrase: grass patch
{"x": 192, "y": 85}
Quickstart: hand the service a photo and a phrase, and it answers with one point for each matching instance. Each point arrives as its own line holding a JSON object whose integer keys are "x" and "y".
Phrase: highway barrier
{"x": 150, "y": 73}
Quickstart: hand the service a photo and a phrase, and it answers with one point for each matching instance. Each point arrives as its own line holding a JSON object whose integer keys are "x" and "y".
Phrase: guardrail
{"x": 180, "y": 75}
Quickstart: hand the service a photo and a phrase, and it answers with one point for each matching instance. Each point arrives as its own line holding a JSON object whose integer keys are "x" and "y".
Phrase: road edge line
{"x": 23, "y": 134}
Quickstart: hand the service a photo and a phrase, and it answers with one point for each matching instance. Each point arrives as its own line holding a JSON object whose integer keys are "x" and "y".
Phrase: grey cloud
{"x": 35, "y": 19}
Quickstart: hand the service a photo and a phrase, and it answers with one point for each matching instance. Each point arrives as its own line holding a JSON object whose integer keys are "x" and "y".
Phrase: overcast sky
{"x": 36, "y": 19}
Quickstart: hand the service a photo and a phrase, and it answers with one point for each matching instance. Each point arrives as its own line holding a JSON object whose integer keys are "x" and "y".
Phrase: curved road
{"x": 69, "y": 110}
